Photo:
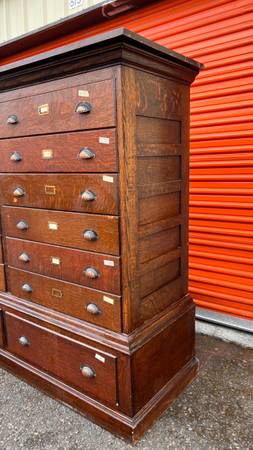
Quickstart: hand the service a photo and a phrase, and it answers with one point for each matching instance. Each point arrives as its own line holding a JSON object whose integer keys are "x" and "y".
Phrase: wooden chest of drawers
{"x": 94, "y": 306}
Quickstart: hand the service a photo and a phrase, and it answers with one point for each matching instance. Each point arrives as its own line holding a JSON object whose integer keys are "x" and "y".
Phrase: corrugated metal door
{"x": 218, "y": 33}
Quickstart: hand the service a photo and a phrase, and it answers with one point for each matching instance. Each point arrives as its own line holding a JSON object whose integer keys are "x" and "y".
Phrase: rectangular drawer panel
{"x": 65, "y": 192}
{"x": 2, "y": 278}
{"x": 63, "y": 357}
{"x": 55, "y": 111}
{"x": 63, "y": 228}
{"x": 66, "y": 264}
{"x": 61, "y": 153}
{"x": 77, "y": 301}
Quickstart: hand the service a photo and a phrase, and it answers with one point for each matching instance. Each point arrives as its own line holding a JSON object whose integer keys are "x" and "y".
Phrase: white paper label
{"x": 83, "y": 93}
{"x": 43, "y": 109}
{"x": 53, "y": 225}
{"x": 56, "y": 261}
{"x": 108, "y": 263}
{"x": 100, "y": 358}
{"x": 47, "y": 153}
{"x": 108, "y": 179}
{"x": 104, "y": 140}
{"x": 108, "y": 300}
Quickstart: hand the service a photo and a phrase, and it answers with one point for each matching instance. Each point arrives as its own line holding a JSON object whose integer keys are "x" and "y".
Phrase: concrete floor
{"x": 215, "y": 412}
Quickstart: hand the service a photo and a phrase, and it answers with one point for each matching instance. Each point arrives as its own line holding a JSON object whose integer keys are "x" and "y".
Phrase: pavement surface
{"x": 214, "y": 413}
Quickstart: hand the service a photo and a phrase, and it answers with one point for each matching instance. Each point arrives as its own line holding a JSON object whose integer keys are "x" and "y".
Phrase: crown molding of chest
{"x": 127, "y": 344}
{"x": 119, "y": 46}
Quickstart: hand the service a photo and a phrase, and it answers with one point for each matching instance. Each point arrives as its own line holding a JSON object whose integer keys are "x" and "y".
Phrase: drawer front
{"x": 1, "y": 329}
{"x": 63, "y": 357}
{"x": 87, "y": 151}
{"x": 84, "y": 231}
{"x": 66, "y": 264}
{"x": 60, "y": 110}
{"x": 86, "y": 193}
{"x": 77, "y": 301}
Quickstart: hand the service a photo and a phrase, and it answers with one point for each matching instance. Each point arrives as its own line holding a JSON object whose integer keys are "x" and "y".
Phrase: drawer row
{"x": 84, "y": 366}
{"x": 93, "y": 193}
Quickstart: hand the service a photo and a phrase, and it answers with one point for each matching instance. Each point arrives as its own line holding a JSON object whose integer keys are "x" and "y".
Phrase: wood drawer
{"x": 66, "y": 264}
{"x": 55, "y": 111}
{"x": 84, "y": 231}
{"x": 77, "y": 301}
{"x": 60, "y": 153}
{"x": 61, "y": 192}
{"x": 63, "y": 357}
{"x": 2, "y": 278}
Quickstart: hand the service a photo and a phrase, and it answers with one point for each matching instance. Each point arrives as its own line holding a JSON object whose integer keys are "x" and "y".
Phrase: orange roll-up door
{"x": 218, "y": 33}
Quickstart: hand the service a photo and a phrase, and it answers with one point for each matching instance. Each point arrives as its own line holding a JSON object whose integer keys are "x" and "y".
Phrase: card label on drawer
{"x": 108, "y": 300}
{"x": 56, "y": 293}
{"x": 53, "y": 225}
{"x": 55, "y": 260}
{"x": 108, "y": 179}
{"x": 108, "y": 263}
{"x": 82, "y": 93}
{"x": 47, "y": 153}
{"x": 50, "y": 190}
{"x": 43, "y": 109}
{"x": 100, "y": 357}
{"x": 104, "y": 140}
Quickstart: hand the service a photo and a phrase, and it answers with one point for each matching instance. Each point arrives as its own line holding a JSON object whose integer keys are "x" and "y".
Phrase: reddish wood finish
{"x": 1, "y": 329}
{"x": 58, "y": 110}
{"x": 69, "y": 357}
{"x": 67, "y": 298}
{"x": 60, "y": 152}
{"x": 140, "y": 337}
{"x": 61, "y": 192}
{"x": 66, "y": 264}
{"x": 2, "y": 278}
{"x": 63, "y": 228}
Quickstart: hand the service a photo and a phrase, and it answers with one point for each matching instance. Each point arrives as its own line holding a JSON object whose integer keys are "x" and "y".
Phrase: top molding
{"x": 119, "y": 46}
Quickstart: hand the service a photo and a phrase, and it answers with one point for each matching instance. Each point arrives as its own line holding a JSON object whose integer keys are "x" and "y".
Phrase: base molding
{"x": 131, "y": 428}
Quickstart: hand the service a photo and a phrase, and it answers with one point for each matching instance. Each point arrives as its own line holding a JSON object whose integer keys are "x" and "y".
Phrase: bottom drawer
{"x": 84, "y": 367}
{"x": 78, "y": 301}
{"x": 1, "y": 329}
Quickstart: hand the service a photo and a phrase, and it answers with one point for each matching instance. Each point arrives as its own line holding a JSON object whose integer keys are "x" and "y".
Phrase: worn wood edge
{"x": 131, "y": 428}
{"x": 124, "y": 343}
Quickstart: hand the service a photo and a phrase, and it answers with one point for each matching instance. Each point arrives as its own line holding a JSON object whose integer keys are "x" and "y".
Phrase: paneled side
{"x": 158, "y": 187}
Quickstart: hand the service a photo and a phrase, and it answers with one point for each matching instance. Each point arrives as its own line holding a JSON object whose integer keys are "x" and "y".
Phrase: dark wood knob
{"x": 91, "y": 272}
{"x": 88, "y": 196}
{"x": 87, "y": 372}
{"x": 18, "y": 192}
{"x": 22, "y": 225}
{"x": 90, "y": 235}
{"x": 27, "y": 288}
{"x": 83, "y": 108}
{"x": 24, "y": 341}
{"x": 93, "y": 309}
{"x": 24, "y": 257}
{"x": 12, "y": 119}
{"x": 86, "y": 153}
{"x": 16, "y": 156}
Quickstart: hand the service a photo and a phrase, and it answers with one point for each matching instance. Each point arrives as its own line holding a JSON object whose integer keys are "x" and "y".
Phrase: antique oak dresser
{"x": 94, "y": 308}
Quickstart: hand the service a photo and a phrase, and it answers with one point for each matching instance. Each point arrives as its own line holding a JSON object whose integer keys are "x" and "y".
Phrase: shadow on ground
{"x": 214, "y": 413}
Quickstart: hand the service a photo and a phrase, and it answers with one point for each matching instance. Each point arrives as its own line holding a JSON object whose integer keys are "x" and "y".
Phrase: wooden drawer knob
{"x": 27, "y": 288}
{"x": 88, "y": 196}
{"x": 22, "y": 225}
{"x": 93, "y": 309}
{"x": 16, "y": 156}
{"x": 87, "y": 372}
{"x": 24, "y": 341}
{"x": 12, "y": 119}
{"x": 86, "y": 153}
{"x": 83, "y": 108}
{"x": 18, "y": 192}
{"x": 91, "y": 272}
{"x": 24, "y": 257}
{"x": 90, "y": 235}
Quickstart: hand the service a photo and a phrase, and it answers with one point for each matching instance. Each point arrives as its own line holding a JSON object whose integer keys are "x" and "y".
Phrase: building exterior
{"x": 217, "y": 33}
